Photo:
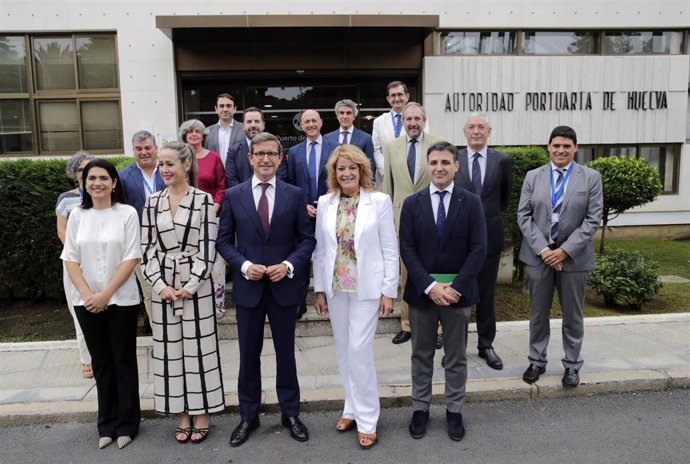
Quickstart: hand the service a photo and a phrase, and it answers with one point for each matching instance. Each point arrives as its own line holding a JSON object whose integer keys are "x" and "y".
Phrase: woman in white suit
{"x": 355, "y": 279}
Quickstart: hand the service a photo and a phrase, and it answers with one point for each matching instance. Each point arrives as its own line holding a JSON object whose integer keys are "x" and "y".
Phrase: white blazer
{"x": 376, "y": 246}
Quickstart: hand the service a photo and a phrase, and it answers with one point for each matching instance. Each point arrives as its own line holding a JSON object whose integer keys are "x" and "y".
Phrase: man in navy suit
{"x": 238, "y": 167}
{"x": 266, "y": 237}
{"x": 489, "y": 174}
{"x": 443, "y": 246}
{"x": 306, "y": 169}
{"x": 139, "y": 180}
{"x": 346, "y": 112}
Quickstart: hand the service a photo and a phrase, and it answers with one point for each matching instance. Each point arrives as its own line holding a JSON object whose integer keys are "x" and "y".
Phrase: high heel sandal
{"x": 186, "y": 431}
{"x": 203, "y": 432}
{"x": 345, "y": 425}
{"x": 367, "y": 440}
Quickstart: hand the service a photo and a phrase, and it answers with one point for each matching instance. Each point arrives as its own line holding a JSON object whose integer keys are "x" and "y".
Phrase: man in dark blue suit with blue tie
{"x": 443, "y": 246}
{"x": 139, "y": 180}
{"x": 266, "y": 237}
{"x": 346, "y": 112}
{"x": 306, "y": 169}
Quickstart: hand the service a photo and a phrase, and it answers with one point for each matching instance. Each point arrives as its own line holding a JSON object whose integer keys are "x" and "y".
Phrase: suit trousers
{"x": 111, "y": 336}
{"x": 354, "y": 326}
{"x": 146, "y": 291}
{"x": 84, "y": 354}
{"x": 486, "y": 308}
{"x": 250, "y": 334}
{"x": 571, "y": 293}
{"x": 424, "y": 324}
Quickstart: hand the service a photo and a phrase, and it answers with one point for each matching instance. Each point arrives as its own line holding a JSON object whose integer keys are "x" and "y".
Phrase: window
{"x": 478, "y": 43}
{"x": 663, "y": 158}
{"x": 59, "y": 94}
{"x": 642, "y": 42}
{"x": 559, "y": 43}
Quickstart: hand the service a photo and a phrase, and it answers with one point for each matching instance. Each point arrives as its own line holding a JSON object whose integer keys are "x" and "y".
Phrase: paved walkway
{"x": 42, "y": 381}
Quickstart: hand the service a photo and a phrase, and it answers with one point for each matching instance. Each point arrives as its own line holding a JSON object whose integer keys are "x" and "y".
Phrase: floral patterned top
{"x": 345, "y": 270}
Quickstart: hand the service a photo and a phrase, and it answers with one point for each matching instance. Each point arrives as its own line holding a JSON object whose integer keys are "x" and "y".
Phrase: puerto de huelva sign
{"x": 555, "y": 101}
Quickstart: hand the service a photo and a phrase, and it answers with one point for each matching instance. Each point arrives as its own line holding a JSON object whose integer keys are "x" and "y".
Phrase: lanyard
{"x": 556, "y": 194}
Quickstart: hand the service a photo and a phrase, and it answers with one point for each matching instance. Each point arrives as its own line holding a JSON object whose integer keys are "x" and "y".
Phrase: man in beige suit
{"x": 404, "y": 173}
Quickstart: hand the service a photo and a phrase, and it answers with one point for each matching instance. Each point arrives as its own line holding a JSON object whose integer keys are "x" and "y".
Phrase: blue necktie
{"x": 441, "y": 215}
{"x": 556, "y": 203}
{"x": 411, "y": 159}
{"x": 345, "y": 134}
{"x": 398, "y": 125}
{"x": 313, "y": 179}
{"x": 476, "y": 175}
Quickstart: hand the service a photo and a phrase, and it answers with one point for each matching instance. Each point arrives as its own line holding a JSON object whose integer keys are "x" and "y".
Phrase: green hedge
{"x": 30, "y": 264}
{"x": 524, "y": 159}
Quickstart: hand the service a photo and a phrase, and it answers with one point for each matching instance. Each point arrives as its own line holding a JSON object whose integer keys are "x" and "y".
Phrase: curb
{"x": 549, "y": 386}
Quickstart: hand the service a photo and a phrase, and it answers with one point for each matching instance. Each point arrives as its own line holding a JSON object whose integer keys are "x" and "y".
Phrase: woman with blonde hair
{"x": 356, "y": 266}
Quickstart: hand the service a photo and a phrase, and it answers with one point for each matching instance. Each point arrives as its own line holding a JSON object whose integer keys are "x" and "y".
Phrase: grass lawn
{"x": 673, "y": 256}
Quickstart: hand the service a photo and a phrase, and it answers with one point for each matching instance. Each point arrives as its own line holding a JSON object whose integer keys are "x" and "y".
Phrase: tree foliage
{"x": 627, "y": 183}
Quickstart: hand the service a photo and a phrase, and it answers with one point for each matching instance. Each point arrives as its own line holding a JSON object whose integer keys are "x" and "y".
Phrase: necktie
{"x": 345, "y": 134}
{"x": 313, "y": 179}
{"x": 476, "y": 175}
{"x": 441, "y": 214}
{"x": 556, "y": 203}
{"x": 398, "y": 125}
{"x": 411, "y": 159}
{"x": 263, "y": 208}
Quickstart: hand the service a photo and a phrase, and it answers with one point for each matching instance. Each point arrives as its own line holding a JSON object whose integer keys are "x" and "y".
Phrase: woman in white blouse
{"x": 102, "y": 247}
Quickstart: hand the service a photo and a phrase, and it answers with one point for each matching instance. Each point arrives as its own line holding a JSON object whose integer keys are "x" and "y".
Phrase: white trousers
{"x": 354, "y": 326}
{"x": 84, "y": 354}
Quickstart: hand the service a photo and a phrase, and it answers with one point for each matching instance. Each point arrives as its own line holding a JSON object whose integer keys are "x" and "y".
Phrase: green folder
{"x": 444, "y": 278}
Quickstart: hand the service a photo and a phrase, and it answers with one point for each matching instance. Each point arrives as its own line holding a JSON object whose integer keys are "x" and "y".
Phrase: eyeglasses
{"x": 270, "y": 154}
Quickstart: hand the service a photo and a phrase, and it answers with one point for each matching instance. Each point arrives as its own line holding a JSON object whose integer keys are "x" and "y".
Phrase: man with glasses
{"x": 266, "y": 237}
{"x": 226, "y": 132}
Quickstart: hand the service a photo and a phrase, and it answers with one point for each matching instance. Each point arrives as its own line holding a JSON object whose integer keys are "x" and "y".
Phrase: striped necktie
{"x": 556, "y": 204}
{"x": 441, "y": 214}
{"x": 476, "y": 174}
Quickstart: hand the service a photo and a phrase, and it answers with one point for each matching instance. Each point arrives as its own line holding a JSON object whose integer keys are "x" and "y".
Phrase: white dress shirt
{"x": 224, "y": 134}
{"x": 435, "y": 201}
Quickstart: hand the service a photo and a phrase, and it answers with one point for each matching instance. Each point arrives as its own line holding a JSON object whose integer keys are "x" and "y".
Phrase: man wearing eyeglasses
{"x": 226, "y": 132}
{"x": 266, "y": 237}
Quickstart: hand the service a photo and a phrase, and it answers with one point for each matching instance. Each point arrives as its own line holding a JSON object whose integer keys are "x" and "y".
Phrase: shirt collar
{"x": 433, "y": 189}
{"x": 553, "y": 166}
{"x": 419, "y": 139}
{"x": 256, "y": 181}
{"x": 484, "y": 152}
{"x": 349, "y": 131}
{"x": 319, "y": 140}
{"x": 143, "y": 173}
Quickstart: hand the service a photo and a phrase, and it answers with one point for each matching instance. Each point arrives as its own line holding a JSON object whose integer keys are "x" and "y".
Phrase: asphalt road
{"x": 633, "y": 428}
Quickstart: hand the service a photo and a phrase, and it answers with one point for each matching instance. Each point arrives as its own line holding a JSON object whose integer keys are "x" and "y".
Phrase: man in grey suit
{"x": 489, "y": 174}
{"x": 559, "y": 213}
{"x": 226, "y": 132}
{"x": 404, "y": 173}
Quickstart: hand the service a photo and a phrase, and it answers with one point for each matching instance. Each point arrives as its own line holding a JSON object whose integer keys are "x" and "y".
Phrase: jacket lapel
{"x": 490, "y": 168}
{"x": 248, "y": 205}
{"x": 464, "y": 169}
{"x": 363, "y": 209}
{"x": 278, "y": 207}
{"x": 574, "y": 181}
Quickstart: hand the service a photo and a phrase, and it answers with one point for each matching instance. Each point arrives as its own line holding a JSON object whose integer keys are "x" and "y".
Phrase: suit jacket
{"x": 238, "y": 168}
{"x": 396, "y": 177}
{"x": 290, "y": 238}
{"x": 495, "y": 194}
{"x": 211, "y": 139}
{"x": 578, "y": 220}
{"x": 132, "y": 183}
{"x": 361, "y": 140}
{"x": 298, "y": 168}
{"x": 376, "y": 246}
{"x": 461, "y": 249}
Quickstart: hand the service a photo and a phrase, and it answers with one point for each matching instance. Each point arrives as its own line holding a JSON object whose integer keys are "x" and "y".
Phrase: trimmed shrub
{"x": 30, "y": 264}
{"x": 625, "y": 278}
{"x": 524, "y": 159}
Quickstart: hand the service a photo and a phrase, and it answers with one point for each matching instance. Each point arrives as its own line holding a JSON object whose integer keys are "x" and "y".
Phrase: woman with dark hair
{"x": 102, "y": 247}
{"x": 210, "y": 179}
{"x": 356, "y": 265}
{"x": 179, "y": 231}
{"x": 66, "y": 202}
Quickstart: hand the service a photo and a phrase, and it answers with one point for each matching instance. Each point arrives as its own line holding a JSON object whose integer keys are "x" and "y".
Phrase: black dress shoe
{"x": 401, "y": 337}
{"x": 242, "y": 431}
{"x": 456, "y": 429}
{"x": 298, "y": 430}
{"x": 301, "y": 309}
{"x": 418, "y": 423}
{"x": 532, "y": 373}
{"x": 571, "y": 378}
{"x": 439, "y": 342}
{"x": 492, "y": 359}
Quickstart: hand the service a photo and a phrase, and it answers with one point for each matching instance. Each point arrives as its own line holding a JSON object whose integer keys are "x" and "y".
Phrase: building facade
{"x": 86, "y": 75}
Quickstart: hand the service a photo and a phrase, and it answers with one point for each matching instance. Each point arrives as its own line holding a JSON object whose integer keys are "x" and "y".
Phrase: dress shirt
{"x": 271, "y": 197}
{"x": 149, "y": 182}
{"x": 349, "y": 134}
{"x": 482, "y": 161}
{"x": 554, "y": 177}
{"x": 435, "y": 200}
{"x": 224, "y": 140}
{"x": 418, "y": 154}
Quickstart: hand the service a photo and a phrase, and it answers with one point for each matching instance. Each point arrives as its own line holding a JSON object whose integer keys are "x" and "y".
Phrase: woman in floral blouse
{"x": 355, "y": 279}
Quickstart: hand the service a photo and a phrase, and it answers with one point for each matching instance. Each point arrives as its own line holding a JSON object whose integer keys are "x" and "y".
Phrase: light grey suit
{"x": 211, "y": 140}
{"x": 578, "y": 222}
